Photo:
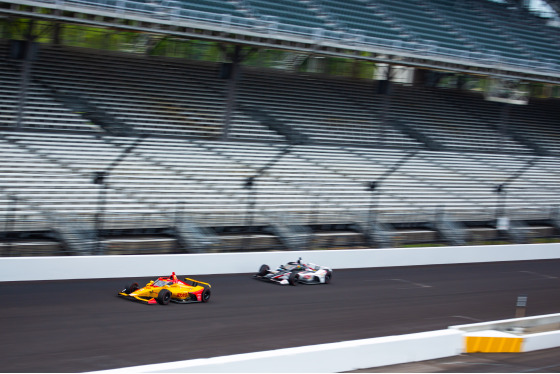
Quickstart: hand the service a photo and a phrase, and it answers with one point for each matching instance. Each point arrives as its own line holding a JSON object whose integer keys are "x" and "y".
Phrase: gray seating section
{"x": 48, "y": 164}
{"x": 537, "y": 122}
{"x": 525, "y": 29}
{"x": 53, "y": 172}
{"x": 147, "y": 94}
{"x": 291, "y": 12}
{"x": 357, "y": 17}
{"x": 317, "y": 108}
{"x": 424, "y": 24}
{"x": 180, "y": 98}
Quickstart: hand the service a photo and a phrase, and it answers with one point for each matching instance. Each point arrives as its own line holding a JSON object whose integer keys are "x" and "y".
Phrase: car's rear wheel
{"x": 130, "y": 289}
{"x": 163, "y": 297}
{"x": 263, "y": 270}
{"x": 205, "y": 295}
{"x": 293, "y": 279}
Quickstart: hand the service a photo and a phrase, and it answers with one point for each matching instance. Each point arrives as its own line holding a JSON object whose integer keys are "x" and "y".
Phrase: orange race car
{"x": 166, "y": 289}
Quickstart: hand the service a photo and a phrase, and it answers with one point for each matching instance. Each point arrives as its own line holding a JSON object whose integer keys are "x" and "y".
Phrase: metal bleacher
{"x": 183, "y": 171}
{"x": 535, "y": 122}
{"x": 478, "y": 30}
{"x": 450, "y": 123}
{"x": 54, "y": 173}
{"x": 471, "y": 23}
{"x": 357, "y": 17}
{"x": 525, "y": 29}
{"x": 317, "y": 108}
{"x": 291, "y": 12}
{"x": 424, "y": 24}
{"x": 179, "y": 163}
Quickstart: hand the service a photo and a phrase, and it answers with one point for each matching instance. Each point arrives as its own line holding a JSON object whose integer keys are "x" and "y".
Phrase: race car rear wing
{"x": 196, "y": 283}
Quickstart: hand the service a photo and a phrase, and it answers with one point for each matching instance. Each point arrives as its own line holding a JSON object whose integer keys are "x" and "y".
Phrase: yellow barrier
{"x": 492, "y": 344}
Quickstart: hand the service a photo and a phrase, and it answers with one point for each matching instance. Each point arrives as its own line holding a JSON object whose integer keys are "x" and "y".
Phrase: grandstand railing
{"x": 119, "y": 225}
{"x": 135, "y": 220}
{"x": 165, "y": 10}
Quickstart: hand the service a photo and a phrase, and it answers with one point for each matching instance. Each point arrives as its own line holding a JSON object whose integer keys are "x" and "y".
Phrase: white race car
{"x": 293, "y": 273}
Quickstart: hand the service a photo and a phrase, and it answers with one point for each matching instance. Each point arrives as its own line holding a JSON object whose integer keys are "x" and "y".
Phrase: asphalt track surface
{"x": 76, "y": 326}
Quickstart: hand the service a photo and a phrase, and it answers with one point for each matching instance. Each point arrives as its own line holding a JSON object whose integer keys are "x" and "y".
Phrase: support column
{"x": 231, "y": 72}
{"x": 384, "y": 89}
{"x": 504, "y": 124}
{"x": 57, "y": 28}
{"x": 25, "y": 75}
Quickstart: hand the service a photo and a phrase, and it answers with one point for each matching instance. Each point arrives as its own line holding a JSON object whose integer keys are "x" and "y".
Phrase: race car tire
{"x": 205, "y": 295}
{"x": 163, "y": 297}
{"x": 263, "y": 270}
{"x": 293, "y": 278}
{"x": 130, "y": 289}
{"x": 328, "y": 277}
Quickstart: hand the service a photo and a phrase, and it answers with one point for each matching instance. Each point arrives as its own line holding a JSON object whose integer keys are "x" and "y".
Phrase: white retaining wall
{"x": 543, "y": 340}
{"x": 125, "y": 266}
{"x": 322, "y": 358}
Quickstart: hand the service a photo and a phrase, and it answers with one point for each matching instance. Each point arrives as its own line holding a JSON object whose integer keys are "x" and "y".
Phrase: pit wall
{"x": 512, "y": 335}
{"x": 125, "y": 266}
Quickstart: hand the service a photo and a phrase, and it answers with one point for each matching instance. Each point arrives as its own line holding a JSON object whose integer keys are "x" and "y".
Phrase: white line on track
{"x": 540, "y": 368}
{"x": 454, "y": 317}
{"x": 468, "y": 318}
{"x": 545, "y": 276}
{"x": 420, "y": 285}
{"x": 410, "y": 283}
{"x": 472, "y": 363}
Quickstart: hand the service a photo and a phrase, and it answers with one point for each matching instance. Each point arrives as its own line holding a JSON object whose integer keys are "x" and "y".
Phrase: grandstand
{"x": 166, "y": 126}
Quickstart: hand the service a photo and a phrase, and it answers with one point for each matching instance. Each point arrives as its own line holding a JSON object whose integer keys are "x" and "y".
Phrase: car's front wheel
{"x": 263, "y": 270}
{"x": 163, "y": 297}
{"x": 205, "y": 295}
{"x": 130, "y": 289}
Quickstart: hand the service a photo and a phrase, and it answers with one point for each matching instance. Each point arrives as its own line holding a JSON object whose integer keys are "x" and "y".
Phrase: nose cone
{"x": 146, "y": 292}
